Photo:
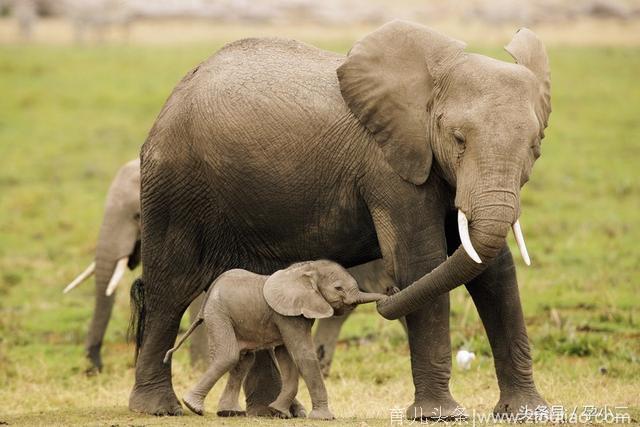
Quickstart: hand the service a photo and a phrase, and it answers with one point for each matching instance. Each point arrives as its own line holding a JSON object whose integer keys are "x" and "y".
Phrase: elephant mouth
{"x": 465, "y": 238}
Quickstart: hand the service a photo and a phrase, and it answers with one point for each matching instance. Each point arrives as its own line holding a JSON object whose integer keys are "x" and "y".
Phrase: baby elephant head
{"x": 315, "y": 289}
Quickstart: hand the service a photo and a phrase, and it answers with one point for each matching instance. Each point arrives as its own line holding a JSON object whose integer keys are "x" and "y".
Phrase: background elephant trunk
{"x": 489, "y": 225}
{"x": 117, "y": 240}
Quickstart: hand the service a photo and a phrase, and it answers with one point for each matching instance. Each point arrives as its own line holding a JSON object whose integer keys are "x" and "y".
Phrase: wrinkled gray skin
{"x": 244, "y": 312}
{"x": 119, "y": 236}
{"x": 272, "y": 151}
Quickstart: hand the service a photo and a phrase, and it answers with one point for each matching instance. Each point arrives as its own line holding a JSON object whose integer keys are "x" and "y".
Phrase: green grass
{"x": 69, "y": 117}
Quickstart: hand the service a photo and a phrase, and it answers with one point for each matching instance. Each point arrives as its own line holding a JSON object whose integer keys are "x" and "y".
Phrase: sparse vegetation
{"x": 69, "y": 117}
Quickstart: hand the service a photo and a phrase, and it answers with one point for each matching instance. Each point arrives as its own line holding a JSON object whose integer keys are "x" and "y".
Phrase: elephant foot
{"x": 154, "y": 401}
{"x": 297, "y": 410}
{"x": 523, "y": 405}
{"x": 321, "y": 414}
{"x": 227, "y": 408}
{"x": 228, "y": 413}
{"x": 195, "y": 404}
{"x": 279, "y": 411}
{"x": 258, "y": 411}
{"x": 433, "y": 409}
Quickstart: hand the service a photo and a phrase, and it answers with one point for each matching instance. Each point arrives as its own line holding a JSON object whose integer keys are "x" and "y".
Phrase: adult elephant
{"x": 273, "y": 151}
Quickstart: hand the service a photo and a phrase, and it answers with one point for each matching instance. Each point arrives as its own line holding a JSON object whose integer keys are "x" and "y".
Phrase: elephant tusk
{"x": 517, "y": 232}
{"x": 463, "y": 229}
{"x": 81, "y": 278}
{"x": 117, "y": 275}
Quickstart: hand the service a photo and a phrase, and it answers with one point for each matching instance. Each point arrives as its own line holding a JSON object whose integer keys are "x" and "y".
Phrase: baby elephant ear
{"x": 294, "y": 292}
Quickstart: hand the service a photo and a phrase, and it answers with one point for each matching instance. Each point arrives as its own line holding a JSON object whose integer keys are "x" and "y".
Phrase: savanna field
{"x": 70, "y": 116}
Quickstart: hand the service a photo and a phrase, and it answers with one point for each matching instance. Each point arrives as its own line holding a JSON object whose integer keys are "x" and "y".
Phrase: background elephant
{"x": 118, "y": 247}
{"x": 272, "y": 151}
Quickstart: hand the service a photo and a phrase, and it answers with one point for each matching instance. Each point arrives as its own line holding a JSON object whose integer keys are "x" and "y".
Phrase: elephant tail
{"x": 194, "y": 325}
{"x": 138, "y": 314}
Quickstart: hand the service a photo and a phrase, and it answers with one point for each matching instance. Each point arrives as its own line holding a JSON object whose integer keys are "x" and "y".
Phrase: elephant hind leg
{"x": 158, "y": 322}
{"x": 153, "y": 391}
{"x": 225, "y": 356}
{"x": 228, "y": 405}
{"x": 281, "y": 407}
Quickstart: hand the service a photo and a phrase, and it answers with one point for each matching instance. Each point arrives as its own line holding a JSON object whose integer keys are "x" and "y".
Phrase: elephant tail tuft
{"x": 138, "y": 313}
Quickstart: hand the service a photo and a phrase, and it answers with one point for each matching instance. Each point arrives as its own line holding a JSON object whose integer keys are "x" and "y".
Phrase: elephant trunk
{"x": 367, "y": 297}
{"x": 486, "y": 236}
{"x": 103, "y": 307}
{"x": 116, "y": 249}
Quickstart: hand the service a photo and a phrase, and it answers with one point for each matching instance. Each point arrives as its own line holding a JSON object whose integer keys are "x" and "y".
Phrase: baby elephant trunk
{"x": 366, "y": 297}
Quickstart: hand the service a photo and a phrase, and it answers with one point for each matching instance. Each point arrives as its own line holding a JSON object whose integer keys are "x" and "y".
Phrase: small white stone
{"x": 464, "y": 358}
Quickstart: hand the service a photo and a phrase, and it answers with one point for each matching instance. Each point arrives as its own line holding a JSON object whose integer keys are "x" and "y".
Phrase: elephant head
{"x": 315, "y": 289}
{"x": 475, "y": 121}
{"x": 118, "y": 247}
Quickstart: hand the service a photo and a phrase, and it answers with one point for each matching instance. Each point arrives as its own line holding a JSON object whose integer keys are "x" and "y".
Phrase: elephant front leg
{"x": 495, "y": 294}
{"x": 430, "y": 346}
{"x": 411, "y": 234}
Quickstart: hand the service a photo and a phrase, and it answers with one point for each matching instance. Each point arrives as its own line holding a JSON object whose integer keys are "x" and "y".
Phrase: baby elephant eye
{"x": 459, "y": 137}
{"x": 338, "y": 288}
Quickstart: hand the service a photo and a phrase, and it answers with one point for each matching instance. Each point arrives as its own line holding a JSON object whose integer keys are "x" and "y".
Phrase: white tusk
{"x": 517, "y": 232}
{"x": 117, "y": 275}
{"x": 81, "y": 278}
{"x": 463, "y": 229}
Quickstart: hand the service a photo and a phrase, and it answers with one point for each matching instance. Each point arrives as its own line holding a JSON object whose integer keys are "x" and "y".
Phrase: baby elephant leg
{"x": 228, "y": 405}
{"x": 296, "y": 334}
{"x": 289, "y": 372}
{"x": 224, "y": 357}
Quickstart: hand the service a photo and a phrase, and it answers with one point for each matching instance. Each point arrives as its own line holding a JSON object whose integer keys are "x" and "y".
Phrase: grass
{"x": 69, "y": 117}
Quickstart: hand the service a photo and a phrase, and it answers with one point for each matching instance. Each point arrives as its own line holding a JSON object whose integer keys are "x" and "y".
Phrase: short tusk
{"x": 517, "y": 232}
{"x": 121, "y": 266}
{"x": 81, "y": 278}
{"x": 463, "y": 229}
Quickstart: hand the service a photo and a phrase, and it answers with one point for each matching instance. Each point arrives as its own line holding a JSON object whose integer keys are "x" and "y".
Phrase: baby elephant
{"x": 244, "y": 312}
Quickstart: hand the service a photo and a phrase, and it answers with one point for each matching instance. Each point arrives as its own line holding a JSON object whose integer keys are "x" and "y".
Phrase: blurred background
{"x": 81, "y": 82}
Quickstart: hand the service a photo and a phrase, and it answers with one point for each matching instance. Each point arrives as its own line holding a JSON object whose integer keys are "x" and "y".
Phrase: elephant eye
{"x": 459, "y": 137}
{"x": 338, "y": 288}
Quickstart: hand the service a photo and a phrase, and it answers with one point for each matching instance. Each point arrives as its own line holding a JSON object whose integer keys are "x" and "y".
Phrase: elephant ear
{"x": 387, "y": 81}
{"x": 294, "y": 292}
{"x": 528, "y": 50}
